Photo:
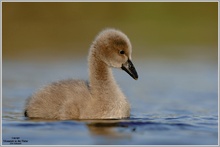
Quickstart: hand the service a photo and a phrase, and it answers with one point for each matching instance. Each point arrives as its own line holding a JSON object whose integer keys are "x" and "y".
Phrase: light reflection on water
{"x": 172, "y": 103}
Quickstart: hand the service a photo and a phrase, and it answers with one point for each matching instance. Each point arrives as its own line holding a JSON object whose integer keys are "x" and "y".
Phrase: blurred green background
{"x": 34, "y": 30}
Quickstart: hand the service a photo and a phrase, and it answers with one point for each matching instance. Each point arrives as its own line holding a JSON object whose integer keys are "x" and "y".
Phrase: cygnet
{"x": 98, "y": 98}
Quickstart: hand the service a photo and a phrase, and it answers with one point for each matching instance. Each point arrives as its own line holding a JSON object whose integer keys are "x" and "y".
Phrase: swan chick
{"x": 100, "y": 97}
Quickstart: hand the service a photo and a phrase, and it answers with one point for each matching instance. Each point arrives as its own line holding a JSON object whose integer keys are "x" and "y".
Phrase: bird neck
{"x": 101, "y": 80}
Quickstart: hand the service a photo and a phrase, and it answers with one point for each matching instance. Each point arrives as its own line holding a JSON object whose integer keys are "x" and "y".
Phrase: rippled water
{"x": 172, "y": 103}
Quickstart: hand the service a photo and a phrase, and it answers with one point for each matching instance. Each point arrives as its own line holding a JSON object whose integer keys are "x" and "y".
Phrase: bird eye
{"x": 121, "y": 52}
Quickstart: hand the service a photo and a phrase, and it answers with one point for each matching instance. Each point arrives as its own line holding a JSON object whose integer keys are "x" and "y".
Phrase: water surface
{"x": 173, "y": 103}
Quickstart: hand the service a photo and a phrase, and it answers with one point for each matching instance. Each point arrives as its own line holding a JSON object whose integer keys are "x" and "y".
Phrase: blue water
{"x": 173, "y": 103}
